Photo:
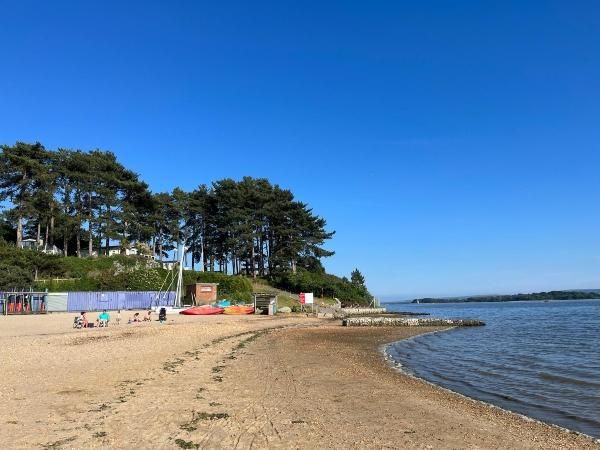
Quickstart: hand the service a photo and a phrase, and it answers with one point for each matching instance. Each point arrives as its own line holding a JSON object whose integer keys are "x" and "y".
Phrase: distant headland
{"x": 551, "y": 295}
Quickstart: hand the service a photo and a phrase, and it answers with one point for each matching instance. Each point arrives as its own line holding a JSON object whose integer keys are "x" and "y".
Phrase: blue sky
{"x": 452, "y": 146}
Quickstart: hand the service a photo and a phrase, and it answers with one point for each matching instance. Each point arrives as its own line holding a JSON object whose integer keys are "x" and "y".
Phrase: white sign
{"x": 308, "y": 298}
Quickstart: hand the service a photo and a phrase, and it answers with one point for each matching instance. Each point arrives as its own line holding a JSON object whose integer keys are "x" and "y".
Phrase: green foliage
{"x": 324, "y": 285}
{"x": 14, "y": 277}
{"x": 72, "y": 197}
{"x": 77, "y": 200}
{"x": 357, "y": 278}
{"x": 19, "y": 267}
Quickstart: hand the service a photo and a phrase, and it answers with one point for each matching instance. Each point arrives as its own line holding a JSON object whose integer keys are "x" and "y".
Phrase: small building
{"x": 33, "y": 244}
{"x": 118, "y": 250}
{"x": 202, "y": 293}
{"x": 30, "y": 244}
{"x": 265, "y": 304}
{"x": 168, "y": 264}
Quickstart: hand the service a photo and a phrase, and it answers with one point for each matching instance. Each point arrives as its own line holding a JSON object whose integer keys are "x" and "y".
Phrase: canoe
{"x": 239, "y": 310}
{"x": 205, "y": 310}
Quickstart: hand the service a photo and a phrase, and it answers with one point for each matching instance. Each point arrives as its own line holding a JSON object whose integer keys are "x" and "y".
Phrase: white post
{"x": 179, "y": 290}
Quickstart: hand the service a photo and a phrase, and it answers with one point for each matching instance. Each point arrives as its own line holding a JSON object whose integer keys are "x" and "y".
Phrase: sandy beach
{"x": 233, "y": 382}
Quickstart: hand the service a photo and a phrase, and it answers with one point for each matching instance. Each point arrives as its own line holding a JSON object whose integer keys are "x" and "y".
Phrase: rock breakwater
{"x": 408, "y": 322}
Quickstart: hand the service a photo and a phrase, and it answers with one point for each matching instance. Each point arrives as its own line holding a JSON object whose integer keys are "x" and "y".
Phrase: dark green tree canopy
{"x": 81, "y": 200}
{"x": 357, "y": 278}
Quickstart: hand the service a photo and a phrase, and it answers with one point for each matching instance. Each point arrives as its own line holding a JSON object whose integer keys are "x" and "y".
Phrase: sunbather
{"x": 148, "y": 317}
{"x": 103, "y": 319}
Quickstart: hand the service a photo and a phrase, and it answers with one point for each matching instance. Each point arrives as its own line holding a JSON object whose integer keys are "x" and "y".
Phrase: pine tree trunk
{"x": 66, "y": 243}
{"x": 253, "y": 259}
{"x": 19, "y": 231}
{"x": 270, "y": 252}
{"x": 107, "y": 229}
{"x": 46, "y": 237}
{"x": 90, "y": 239}
{"x": 39, "y": 233}
{"x": 90, "y": 235}
{"x": 51, "y": 242}
{"x": 78, "y": 244}
{"x": 261, "y": 256}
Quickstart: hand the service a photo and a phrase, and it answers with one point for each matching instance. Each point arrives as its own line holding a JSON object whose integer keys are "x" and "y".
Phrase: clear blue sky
{"x": 453, "y": 146}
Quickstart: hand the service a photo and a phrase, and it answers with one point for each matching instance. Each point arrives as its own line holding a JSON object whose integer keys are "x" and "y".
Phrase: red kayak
{"x": 204, "y": 310}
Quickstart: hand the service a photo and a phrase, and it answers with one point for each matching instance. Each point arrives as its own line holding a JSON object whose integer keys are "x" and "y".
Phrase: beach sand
{"x": 233, "y": 382}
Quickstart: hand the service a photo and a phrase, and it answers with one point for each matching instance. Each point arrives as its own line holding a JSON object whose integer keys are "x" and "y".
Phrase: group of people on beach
{"x": 103, "y": 319}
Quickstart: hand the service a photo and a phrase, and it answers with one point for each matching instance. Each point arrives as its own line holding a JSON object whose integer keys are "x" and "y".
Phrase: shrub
{"x": 324, "y": 285}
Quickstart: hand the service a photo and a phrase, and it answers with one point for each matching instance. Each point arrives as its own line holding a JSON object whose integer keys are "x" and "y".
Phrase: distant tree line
{"x": 552, "y": 295}
{"x": 80, "y": 200}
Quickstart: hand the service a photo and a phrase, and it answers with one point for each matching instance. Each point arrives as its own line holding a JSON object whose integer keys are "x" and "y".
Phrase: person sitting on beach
{"x": 103, "y": 319}
{"x": 148, "y": 317}
{"x": 84, "y": 321}
{"x": 136, "y": 317}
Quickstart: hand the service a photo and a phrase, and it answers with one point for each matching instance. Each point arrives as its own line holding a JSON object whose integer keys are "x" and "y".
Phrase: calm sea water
{"x": 541, "y": 359}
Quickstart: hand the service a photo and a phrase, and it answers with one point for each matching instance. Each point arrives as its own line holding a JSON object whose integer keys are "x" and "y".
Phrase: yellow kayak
{"x": 238, "y": 310}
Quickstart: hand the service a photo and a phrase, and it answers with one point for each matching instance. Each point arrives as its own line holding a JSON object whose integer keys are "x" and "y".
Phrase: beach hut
{"x": 202, "y": 293}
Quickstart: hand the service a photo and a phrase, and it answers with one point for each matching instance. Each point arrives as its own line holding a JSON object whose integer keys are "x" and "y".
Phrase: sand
{"x": 233, "y": 382}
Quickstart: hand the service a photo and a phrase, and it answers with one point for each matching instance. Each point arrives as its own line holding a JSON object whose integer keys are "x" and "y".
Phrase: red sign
{"x": 301, "y": 298}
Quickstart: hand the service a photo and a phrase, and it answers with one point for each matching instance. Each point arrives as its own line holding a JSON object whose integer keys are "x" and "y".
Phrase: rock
{"x": 322, "y": 315}
{"x": 285, "y": 309}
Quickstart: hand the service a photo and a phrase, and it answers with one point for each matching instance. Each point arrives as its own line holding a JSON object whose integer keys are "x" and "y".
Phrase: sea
{"x": 537, "y": 358}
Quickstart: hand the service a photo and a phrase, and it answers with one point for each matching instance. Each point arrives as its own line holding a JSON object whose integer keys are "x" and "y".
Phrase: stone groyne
{"x": 408, "y": 322}
{"x": 362, "y": 311}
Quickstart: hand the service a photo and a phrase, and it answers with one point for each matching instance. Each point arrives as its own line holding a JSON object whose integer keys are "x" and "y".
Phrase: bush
{"x": 324, "y": 285}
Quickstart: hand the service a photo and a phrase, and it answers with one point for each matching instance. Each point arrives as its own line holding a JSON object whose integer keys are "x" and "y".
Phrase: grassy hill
{"x": 286, "y": 298}
{"x": 25, "y": 269}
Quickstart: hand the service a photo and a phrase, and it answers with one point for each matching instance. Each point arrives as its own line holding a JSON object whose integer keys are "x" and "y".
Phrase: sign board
{"x": 206, "y": 289}
{"x": 306, "y": 298}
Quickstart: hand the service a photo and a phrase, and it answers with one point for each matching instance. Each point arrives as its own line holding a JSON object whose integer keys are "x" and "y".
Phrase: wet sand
{"x": 233, "y": 382}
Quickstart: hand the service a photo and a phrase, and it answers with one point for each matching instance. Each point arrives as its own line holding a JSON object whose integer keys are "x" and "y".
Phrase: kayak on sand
{"x": 204, "y": 310}
{"x": 231, "y": 310}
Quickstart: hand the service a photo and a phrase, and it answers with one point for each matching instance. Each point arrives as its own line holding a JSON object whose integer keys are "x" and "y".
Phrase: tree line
{"x": 80, "y": 200}
{"x": 552, "y": 295}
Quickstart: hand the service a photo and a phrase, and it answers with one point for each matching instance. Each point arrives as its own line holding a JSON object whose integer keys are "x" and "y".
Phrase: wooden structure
{"x": 202, "y": 293}
{"x": 265, "y": 303}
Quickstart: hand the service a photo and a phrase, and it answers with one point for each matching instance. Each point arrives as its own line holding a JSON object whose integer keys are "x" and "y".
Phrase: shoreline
{"x": 351, "y": 397}
{"x": 236, "y": 382}
{"x": 400, "y": 369}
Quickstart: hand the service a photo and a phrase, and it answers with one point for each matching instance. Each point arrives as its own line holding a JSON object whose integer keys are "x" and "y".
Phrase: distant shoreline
{"x": 536, "y": 296}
